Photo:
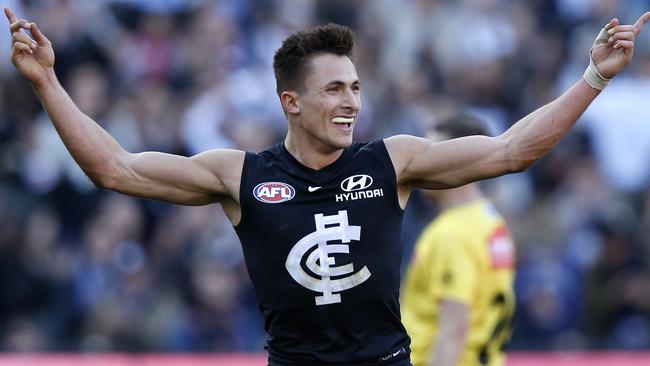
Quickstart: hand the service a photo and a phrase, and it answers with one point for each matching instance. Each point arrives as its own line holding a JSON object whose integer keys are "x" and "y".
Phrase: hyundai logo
{"x": 356, "y": 182}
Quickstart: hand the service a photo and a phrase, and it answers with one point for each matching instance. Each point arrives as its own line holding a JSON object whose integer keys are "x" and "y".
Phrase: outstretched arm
{"x": 453, "y": 321}
{"x": 209, "y": 177}
{"x": 420, "y": 163}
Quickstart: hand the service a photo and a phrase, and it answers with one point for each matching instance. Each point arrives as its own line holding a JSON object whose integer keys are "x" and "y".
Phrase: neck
{"x": 308, "y": 154}
{"x": 458, "y": 196}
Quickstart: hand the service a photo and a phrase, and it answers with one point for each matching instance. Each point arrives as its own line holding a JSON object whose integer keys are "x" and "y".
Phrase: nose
{"x": 351, "y": 100}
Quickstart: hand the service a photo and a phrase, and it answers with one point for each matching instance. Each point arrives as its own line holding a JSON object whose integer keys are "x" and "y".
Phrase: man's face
{"x": 330, "y": 102}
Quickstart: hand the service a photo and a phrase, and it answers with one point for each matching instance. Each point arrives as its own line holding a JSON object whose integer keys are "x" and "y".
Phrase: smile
{"x": 342, "y": 121}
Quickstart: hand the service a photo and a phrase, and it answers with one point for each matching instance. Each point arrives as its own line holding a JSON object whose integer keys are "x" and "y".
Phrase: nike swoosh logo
{"x": 313, "y": 189}
{"x": 398, "y": 352}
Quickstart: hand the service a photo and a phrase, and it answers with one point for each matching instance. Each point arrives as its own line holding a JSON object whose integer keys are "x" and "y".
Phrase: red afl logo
{"x": 273, "y": 192}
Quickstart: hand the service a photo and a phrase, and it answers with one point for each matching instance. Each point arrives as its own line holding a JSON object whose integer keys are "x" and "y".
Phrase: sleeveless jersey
{"x": 323, "y": 251}
{"x": 466, "y": 254}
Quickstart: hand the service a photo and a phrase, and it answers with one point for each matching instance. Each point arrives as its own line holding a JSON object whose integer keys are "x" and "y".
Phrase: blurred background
{"x": 84, "y": 270}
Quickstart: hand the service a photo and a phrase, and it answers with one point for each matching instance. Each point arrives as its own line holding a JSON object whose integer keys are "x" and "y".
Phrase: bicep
{"x": 202, "y": 179}
{"x": 421, "y": 163}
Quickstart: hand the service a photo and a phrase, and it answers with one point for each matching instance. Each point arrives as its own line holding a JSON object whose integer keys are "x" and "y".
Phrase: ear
{"x": 289, "y": 100}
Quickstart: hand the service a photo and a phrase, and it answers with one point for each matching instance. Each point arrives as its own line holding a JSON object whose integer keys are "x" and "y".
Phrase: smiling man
{"x": 318, "y": 215}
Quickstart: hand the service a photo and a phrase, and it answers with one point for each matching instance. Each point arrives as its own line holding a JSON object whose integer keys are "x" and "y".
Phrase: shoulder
{"x": 402, "y": 148}
{"x": 402, "y": 143}
{"x": 272, "y": 154}
{"x": 373, "y": 149}
{"x": 372, "y": 146}
{"x": 376, "y": 151}
{"x": 225, "y": 164}
{"x": 220, "y": 158}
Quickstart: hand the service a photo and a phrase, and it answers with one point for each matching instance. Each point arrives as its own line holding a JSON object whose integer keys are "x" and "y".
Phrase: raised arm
{"x": 420, "y": 163}
{"x": 212, "y": 176}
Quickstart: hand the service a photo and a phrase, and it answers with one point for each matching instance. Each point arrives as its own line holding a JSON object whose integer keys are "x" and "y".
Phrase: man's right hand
{"x": 34, "y": 58}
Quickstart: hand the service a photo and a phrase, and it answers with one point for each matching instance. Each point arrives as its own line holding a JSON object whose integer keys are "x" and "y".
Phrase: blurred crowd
{"x": 89, "y": 270}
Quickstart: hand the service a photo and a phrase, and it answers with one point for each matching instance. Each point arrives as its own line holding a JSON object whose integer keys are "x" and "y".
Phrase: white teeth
{"x": 342, "y": 120}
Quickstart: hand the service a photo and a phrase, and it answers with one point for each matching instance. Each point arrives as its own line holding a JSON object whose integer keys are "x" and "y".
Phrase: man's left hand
{"x": 613, "y": 50}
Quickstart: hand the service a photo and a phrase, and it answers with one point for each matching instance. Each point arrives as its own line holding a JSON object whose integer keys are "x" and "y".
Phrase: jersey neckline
{"x": 324, "y": 170}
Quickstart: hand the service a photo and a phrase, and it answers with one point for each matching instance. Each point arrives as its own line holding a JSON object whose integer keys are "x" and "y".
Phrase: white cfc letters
{"x": 321, "y": 264}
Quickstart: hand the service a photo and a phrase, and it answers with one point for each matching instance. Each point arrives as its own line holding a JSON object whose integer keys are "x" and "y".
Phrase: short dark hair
{"x": 290, "y": 60}
{"x": 461, "y": 125}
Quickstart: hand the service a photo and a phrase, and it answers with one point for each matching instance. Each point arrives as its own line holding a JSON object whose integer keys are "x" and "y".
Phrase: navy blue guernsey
{"x": 323, "y": 250}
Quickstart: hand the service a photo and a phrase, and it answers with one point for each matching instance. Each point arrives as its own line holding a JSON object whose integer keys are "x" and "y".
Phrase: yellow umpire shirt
{"x": 466, "y": 254}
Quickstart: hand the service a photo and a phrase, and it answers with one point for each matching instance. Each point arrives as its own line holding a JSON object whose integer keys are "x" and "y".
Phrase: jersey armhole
{"x": 243, "y": 186}
{"x": 388, "y": 164}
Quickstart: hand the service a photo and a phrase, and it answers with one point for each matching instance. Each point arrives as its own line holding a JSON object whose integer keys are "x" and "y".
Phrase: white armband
{"x": 591, "y": 75}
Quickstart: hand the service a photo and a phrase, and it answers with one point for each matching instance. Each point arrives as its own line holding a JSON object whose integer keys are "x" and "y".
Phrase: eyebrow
{"x": 340, "y": 82}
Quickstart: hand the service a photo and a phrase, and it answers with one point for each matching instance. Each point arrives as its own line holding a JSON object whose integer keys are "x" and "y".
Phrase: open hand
{"x": 34, "y": 58}
{"x": 614, "y": 47}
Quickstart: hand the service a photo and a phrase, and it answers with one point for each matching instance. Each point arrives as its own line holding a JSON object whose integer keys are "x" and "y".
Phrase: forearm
{"x": 446, "y": 351}
{"x": 533, "y": 136}
{"x": 96, "y": 152}
{"x": 454, "y": 324}
{"x": 420, "y": 163}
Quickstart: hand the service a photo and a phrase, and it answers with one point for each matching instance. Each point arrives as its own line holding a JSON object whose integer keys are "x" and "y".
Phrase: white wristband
{"x": 591, "y": 75}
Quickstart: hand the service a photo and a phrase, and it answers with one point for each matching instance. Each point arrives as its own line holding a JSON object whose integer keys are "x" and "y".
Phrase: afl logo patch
{"x": 273, "y": 192}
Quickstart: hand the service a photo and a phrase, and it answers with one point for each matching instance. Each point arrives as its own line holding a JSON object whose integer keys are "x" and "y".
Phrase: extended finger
{"x": 641, "y": 22}
{"x": 38, "y": 35}
{"x": 19, "y": 37}
{"x": 10, "y": 14}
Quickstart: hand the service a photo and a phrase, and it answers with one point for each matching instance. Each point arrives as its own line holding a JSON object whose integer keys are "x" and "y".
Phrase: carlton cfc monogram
{"x": 321, "y": 264}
